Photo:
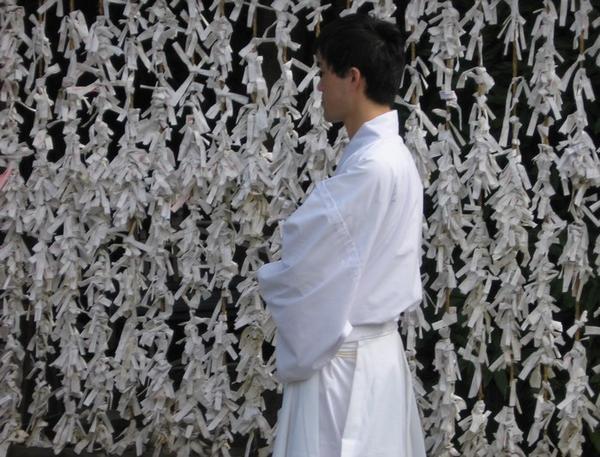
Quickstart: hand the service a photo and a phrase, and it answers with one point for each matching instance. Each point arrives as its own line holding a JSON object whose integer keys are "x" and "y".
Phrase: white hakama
{"x": 361, "y": 404}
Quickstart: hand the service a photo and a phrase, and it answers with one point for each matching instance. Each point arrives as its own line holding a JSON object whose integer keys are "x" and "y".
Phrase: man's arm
{"x": 310, "y": 291}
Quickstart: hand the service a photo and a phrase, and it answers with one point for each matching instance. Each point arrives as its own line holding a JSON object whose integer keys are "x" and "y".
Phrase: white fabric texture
{"x": 350, "y": 252}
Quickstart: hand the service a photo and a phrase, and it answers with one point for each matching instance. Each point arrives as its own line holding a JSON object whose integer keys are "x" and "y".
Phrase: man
{"x": 349, "y": 266}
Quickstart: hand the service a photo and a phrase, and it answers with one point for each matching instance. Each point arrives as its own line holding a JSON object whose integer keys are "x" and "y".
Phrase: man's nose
{"x": 319, "y": 85}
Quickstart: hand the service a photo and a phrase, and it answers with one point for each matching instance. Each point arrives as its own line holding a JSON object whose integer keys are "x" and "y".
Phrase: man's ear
{"x": 356, "y": 78}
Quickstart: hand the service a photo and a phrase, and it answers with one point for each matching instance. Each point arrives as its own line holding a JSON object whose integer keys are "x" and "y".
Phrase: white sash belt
{"x": 364, "y": 332}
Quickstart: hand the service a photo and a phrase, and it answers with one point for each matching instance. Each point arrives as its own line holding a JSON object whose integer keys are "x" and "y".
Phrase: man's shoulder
{"x": 382, "y": 154}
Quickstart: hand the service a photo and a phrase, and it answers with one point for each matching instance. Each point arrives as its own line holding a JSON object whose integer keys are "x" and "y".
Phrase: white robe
{"x": 350, "y": 259}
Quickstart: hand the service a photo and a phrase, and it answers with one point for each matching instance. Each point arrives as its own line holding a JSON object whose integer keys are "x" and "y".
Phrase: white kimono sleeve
{"x": 309, "y": 292}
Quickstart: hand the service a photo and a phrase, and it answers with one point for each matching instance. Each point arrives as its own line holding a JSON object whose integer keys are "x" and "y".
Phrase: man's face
{"x": 336, "y": 94}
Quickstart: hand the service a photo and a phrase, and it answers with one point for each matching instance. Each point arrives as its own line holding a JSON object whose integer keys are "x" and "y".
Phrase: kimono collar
{"x": 384, "y": 125}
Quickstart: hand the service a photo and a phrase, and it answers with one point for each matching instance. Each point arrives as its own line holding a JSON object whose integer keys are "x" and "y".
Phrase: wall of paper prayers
{"x": 148, "y": 150}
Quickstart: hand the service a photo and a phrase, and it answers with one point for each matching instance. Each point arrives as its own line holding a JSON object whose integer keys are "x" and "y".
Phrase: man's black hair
{"x": 372, "y": 45}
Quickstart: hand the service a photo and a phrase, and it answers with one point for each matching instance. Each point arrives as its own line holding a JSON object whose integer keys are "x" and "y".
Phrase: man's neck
{"x": 362, "y": 114}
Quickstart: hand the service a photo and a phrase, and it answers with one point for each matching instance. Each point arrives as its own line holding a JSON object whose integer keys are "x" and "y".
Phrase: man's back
{"x": 382, "y": 208}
